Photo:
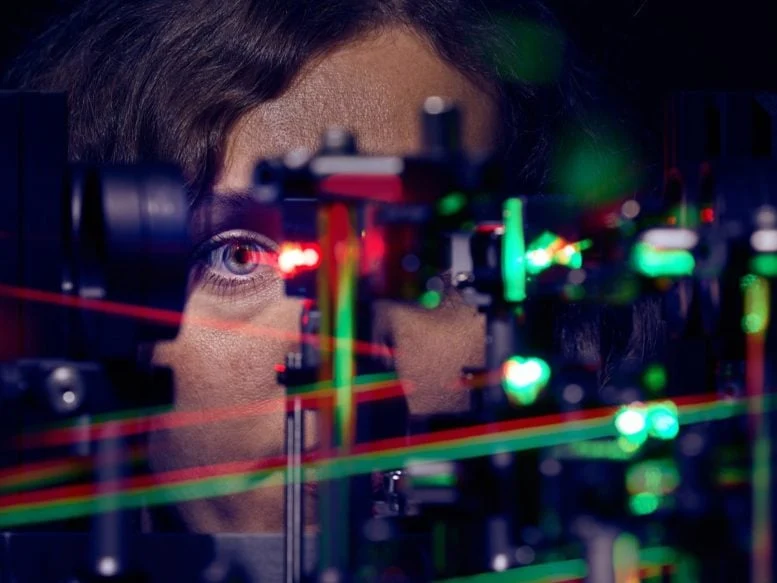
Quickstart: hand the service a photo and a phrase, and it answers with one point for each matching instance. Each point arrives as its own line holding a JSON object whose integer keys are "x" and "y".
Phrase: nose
{"x": 430, "y": 349}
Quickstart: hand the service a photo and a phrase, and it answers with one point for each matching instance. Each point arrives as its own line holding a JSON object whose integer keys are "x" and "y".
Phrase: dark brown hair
{"x": 166, "y": 79}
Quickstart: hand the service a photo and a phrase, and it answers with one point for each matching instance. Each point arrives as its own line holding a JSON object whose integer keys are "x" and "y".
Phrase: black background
{"x": 641, "y": 49}
{"x": 660, "y": 43}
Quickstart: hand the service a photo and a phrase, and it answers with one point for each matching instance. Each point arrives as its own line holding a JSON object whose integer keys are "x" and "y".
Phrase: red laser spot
{"x": 296, "y": 257}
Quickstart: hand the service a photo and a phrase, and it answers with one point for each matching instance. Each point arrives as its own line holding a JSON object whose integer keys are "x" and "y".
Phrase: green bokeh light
{"x": 608, "y": 449}
{"x": 753, "y": 323}
{"x": 538, "y": 260}
{"x": 662, "y": 420}
{"x": 596, "y": 170}
{"x": 539, "y": 254}
{"x": 756, "y": 296}
{"x": 529, "y": 52}
{"x": 637, "y": 421}
{"x": 430, "y": 299}
{"x": 549, "y": 249}
{"x": 626, "y": 557}
{"x": 655, "y": 476}
{"x": 630, "y": 446}
{"x": 644, "y": 503}
{"x": 574, "y": 293}
{"x": 451, "y": 203}
{"x": 631, "y": 425}
{"x": 442, "y": 480}
{"x": 571, "y": 257}
{"x": 654, "y": 378}
{"x": 765, "y": 264}
{"x": 631, "y": 420}
{"x": 653, "y": 262}
{"x": 747, "y": 281}
{"x": 524, "y": 378}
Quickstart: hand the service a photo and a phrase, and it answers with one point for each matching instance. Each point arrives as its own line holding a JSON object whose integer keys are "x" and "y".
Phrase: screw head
{"x": 65, "y": 389}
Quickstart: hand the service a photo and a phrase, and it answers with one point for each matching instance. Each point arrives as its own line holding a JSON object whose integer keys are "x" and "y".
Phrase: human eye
{"x": 234, "y": 262}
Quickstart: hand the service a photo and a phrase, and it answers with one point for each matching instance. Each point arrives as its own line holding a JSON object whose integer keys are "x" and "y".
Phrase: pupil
{"x": 240, "y": 259}
{"x": 242, "y": 254}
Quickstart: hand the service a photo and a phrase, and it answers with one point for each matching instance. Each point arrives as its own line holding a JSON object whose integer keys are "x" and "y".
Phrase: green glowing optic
{"x": 451, "y": 203}
{"x": 657, "y": 476}
{"x": 549, "y": 249}
{"x": 571, "y": 257}
{"x": 644, "y": 503}
{"x": 654, "y": 378}
{"x": 653, "y": 262}
{"x": 662, "y": 420}
{"x": 539, "y": 255}
{"x": 538, "y": 260}
{"x": 430, "y": 299}
{"x": 513, "y": 251}
{"x": 765, "y": 264}
{"x": 524, "y": 378}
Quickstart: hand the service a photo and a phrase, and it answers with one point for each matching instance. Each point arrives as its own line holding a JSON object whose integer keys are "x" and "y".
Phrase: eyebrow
{"x": 225, "y": 199}
{"x": 215, "y": 212}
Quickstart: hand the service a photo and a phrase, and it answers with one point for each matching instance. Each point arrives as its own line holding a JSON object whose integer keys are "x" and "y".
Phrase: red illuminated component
{"x": 294, "y": 257}
{"x": 377, "y": 188}
{"x": 707, "y": 215}
{"x": 490, "y": 228}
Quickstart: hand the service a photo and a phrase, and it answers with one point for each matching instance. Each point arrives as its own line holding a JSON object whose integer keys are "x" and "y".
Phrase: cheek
{"x": 431, "y": 349}
{"x": 225, "y": 380}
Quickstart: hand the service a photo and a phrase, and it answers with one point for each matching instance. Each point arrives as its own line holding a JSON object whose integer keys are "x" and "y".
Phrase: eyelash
{"x": 205, "y": 274}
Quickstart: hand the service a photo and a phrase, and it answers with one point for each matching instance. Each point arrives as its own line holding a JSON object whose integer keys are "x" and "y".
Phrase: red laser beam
{"x": 548, "y": 422}
{"x": 177, "y": 419}
{"x": 173, "y": 318}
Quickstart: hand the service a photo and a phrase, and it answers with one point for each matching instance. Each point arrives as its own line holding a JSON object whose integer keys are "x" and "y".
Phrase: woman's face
{"x": 375, "y": 87}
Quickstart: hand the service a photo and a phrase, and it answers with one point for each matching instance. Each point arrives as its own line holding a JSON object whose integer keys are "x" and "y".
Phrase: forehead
{"x": 374, "y": 87}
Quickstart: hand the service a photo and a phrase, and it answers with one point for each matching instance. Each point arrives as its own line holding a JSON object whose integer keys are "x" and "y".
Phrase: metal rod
{"x": 294, "y": 514}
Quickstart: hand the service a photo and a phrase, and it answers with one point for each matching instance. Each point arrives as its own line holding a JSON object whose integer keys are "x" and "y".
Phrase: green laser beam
{"x": 159, "y": 494}
{"x": 564, "y": 570}
{"x": 463, "y": 447}
{"x": 342, "y": 371}
{"x": 134, "y": 421}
